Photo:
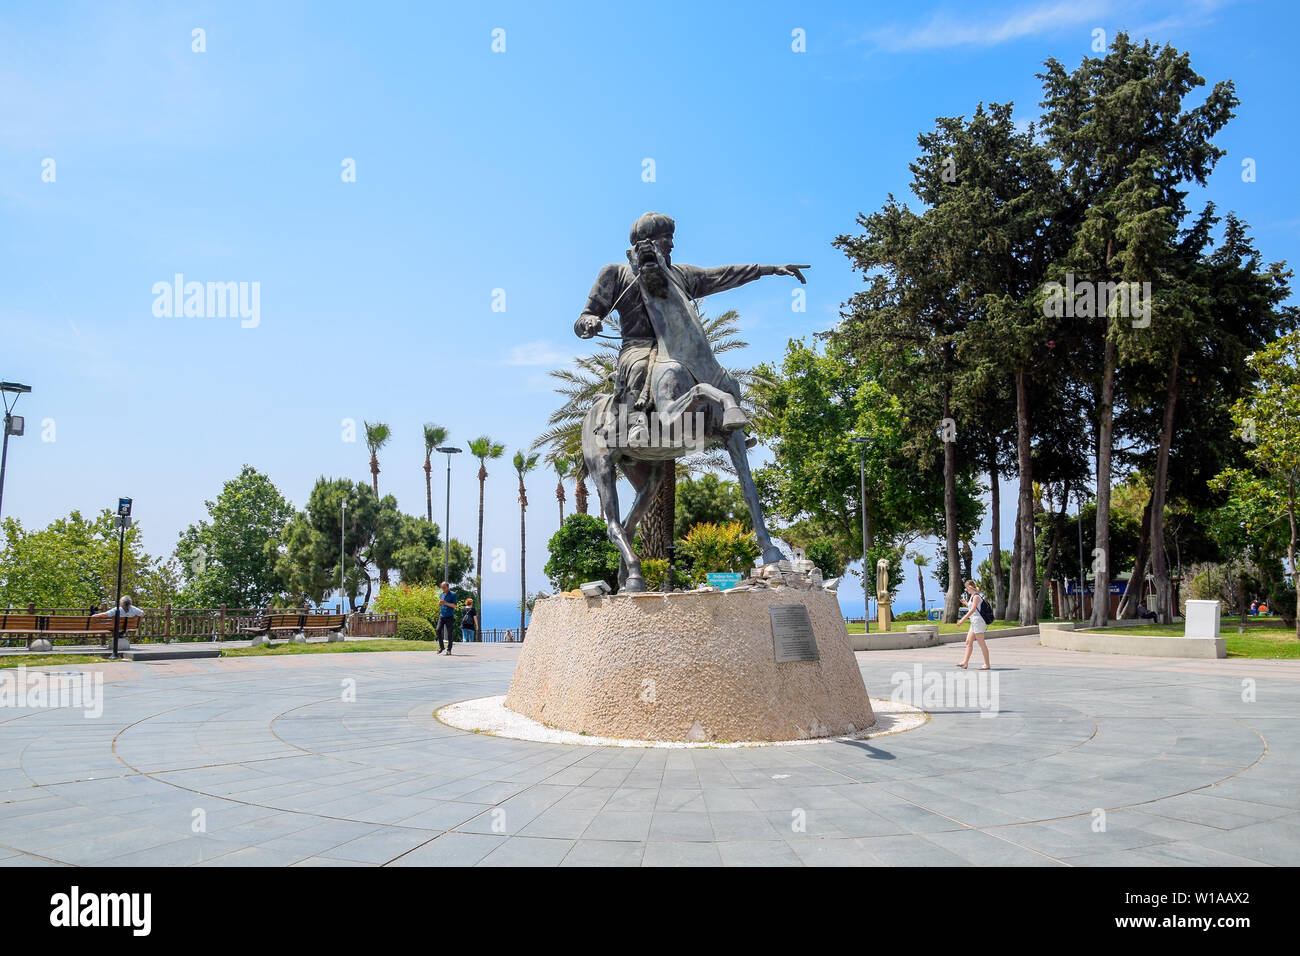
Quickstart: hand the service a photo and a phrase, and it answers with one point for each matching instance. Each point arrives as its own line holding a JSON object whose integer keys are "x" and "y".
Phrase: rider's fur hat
{"x": 650, "y": 226}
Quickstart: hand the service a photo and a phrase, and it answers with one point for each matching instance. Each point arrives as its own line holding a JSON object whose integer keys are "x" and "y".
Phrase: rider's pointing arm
{"x": 701, "y": 282}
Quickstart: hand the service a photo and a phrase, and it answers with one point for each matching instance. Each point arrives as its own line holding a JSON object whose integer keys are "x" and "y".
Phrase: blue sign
{"x": 1116, "y": 587}
{"x": 724, "y": 580}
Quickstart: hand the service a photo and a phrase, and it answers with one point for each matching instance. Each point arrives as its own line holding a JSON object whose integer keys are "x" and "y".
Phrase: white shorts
{"x": 977, "y": 623}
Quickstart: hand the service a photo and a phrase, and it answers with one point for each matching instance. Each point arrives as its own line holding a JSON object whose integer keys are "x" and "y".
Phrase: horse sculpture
{"x": 696, "y": 405}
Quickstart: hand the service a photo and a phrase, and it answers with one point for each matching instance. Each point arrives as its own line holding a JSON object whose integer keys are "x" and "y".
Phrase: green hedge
{"x": 414, "y": 628}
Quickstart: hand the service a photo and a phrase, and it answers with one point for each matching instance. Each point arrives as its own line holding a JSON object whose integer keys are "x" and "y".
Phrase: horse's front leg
{"x": 740, "y": 460}
{"x": 601, "y": 471}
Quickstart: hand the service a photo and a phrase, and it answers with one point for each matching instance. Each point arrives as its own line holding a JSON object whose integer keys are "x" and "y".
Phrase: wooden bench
{"x": 295, "y": 623}
{"x": 65, "y": 625}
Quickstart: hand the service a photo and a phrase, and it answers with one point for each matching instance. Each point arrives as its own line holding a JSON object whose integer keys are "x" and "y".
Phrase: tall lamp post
{"x": 13, "y": 426}
{"x": 123, "y": 521}
{"x": 866, "y": 591}
{"x": 448, "y": 450}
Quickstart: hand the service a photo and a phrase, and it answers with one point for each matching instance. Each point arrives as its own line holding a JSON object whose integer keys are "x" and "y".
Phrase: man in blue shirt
{"x": 446, "y": 617}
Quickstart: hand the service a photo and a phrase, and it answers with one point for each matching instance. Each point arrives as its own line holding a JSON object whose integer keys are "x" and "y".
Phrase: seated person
{"x": 125, "y": 609}
{"x": 1144, "y": 613}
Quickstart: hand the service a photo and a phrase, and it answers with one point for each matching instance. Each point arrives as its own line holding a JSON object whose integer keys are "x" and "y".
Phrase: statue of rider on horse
{"x": 666, "y": 370}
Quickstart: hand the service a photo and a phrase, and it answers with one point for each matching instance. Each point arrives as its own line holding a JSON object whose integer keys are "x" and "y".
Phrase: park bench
{"x": 294, "y": 623}
{"x": 65, "y": 625}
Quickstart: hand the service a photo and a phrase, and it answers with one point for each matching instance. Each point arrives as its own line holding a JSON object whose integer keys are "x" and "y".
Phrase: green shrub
{"x": 653, "y": 571}
{"x": 580, "y": 552}
{"x": 719, "y": 547}
{"x": 408, "y": 600}
{"x": 414, "y": 629}
{"x": 824, "y": 554}
{"x": 910, "y": 616}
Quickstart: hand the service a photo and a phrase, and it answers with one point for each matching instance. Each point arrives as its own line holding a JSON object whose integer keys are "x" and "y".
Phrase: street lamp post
{"x": 123, "y": 521}
{"x": 866, "y": 592}
{"x": 1083, "y": 575}
{"x": 448, "y": 450}
{"x": 343, "y": 552}
{"x": 13, "y": 426}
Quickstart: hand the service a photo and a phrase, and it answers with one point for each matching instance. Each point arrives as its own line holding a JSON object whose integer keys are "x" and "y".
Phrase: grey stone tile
{"x": 381, "y": 845}
{"x": 681, "y": 854}
{"x": 451, "y": 849}
{"x": 677, "y": 826}
{"x": 764, "y": 853}
{"x": 559, "y": 822}
{"x": 748, "y": 825}
{"x": 842, "y": 852}
{"x": 604, "y": 853}
{"x": 528, "y": 851}
{"x": 910, "y": 850}
{"x": 631, "y": 825}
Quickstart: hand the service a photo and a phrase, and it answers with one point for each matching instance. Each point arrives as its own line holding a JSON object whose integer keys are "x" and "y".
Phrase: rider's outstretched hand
{"x": 789, "y": 270}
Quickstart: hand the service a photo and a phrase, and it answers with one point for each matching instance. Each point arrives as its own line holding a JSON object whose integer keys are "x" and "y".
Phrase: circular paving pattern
{"x": 337, "y": 759}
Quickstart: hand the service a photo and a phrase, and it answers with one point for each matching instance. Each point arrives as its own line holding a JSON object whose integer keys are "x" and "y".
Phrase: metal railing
{"x": 499, "y": 635}
{"x": 216, "y": 624}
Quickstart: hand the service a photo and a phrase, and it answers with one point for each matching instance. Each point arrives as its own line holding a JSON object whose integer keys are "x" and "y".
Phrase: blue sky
{"x": 475, "y": 171}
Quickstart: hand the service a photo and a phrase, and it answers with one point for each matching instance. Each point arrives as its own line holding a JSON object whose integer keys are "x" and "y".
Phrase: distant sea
{"x": 504, "y": 613}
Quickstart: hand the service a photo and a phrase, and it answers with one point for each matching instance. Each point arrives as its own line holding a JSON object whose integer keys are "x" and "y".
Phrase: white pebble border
{"x": 489, "y": 715}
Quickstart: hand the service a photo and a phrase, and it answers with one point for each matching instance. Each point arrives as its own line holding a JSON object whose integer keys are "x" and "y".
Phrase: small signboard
{"x": 792, "y": 634}
{"x": 124, "y": 507}
{"x": 724, "y": 580}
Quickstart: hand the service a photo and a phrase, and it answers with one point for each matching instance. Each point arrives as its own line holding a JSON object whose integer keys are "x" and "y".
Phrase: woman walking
{"x": 468, "y": 622}
{"x": 979, "y": 619}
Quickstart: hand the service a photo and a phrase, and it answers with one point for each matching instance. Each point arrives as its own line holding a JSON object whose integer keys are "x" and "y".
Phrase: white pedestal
{"x": 1203, "y": 619}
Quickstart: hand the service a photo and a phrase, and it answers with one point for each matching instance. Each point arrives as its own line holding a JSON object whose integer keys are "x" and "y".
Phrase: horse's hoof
{"x": 635, "y": 584}
{"x": 733, "y": 419}
{"x": 772, "y": 554}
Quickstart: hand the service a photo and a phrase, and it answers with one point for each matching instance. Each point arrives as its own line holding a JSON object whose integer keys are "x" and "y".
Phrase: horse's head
{"x": 650, "y": 264}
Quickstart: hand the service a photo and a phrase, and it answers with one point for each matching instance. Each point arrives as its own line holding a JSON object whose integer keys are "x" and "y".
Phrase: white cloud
{"x": 947, "y": 31}
{"x": 538, "y": 353}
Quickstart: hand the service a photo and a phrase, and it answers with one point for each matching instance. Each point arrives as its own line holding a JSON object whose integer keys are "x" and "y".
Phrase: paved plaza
{"x": 1090, "y": 760}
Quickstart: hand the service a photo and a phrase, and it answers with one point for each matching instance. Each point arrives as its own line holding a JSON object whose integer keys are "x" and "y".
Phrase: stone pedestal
{"x": 695, "y": 666}
{"x": 1203, "y": 619}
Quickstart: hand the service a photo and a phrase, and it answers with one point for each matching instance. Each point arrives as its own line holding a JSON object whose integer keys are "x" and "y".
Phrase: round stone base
{"x": 696, "y": 667}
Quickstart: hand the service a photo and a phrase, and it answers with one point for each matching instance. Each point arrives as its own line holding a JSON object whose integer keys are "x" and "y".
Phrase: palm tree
{"x": 921, "y": 561}
{"x": 563, "y": 467}
{"x": 483, "y": 448}
{"x": 434, "y": 435}
{"x": 593, "y": 375}
{"x": 523, "y": 465}
{"x": 377, "y": 436}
